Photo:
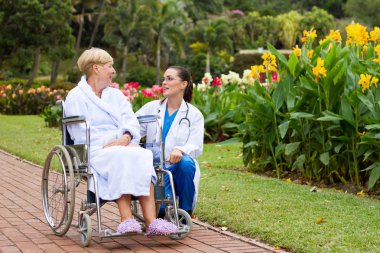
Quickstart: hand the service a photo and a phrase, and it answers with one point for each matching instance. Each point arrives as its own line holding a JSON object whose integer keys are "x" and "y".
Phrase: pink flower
{"x": 157, "y": 89}
{"x": 131, "y": 85}
{"x": 126, "y": 93}
{"x": 58, "y": 97}
{"x": 147, "y": 92}
{"x": 216, "y": 82}
{"x": 274, "y": 76}
{"x": 238, "y": 12}
{"x": 114, "y": 85}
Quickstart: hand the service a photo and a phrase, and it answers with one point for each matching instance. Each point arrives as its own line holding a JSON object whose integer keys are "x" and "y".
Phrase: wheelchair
{"x": 67, "y": 165}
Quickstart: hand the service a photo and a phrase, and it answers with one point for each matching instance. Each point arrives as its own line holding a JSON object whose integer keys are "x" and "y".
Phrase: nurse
{"x": 182, "y": 134}
{"x": 122, "y": 168}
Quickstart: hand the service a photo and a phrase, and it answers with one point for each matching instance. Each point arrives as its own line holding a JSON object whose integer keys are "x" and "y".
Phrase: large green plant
{"x": 322, "y": 117}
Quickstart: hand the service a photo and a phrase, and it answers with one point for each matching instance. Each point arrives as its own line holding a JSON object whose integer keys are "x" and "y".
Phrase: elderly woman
{"x": 182, "y": 134}
{"x": 123, "y": 168}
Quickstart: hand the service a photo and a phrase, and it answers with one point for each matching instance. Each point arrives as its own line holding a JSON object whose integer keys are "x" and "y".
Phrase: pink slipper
{"x": 161, "y": 227}
{"x": 130, "y": 225}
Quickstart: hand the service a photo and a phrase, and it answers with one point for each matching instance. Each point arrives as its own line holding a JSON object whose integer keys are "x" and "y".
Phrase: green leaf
{"x": 291, "y": 148}
{"x": 278, "y": 97}
{"x": 347, "y": 111}
{"x": 366, "y": 101}
{"x": 279, "y": 56}
{"x": 230, "y": 141}
{"x": 283, "y": 128}
{"x": 330, "y": 116}
{"x": 374, "y": 174}
{"x": 338, "y": 147}
{"x": 299, "y": 115}
{"x": 298, "y": 164}
{"x": 373, "y": 126}
{"x": 292, "y": 64}
{"x": 325, "y": 158}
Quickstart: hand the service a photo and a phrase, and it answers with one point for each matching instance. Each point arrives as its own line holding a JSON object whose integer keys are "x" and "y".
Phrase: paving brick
{"x": 23, "y": 227}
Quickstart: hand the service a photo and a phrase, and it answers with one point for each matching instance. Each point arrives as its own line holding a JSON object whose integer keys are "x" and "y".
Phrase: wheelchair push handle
{"x": 147, "y": 118}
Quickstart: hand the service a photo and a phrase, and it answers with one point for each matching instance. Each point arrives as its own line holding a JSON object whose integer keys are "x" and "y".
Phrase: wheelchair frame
{"x": 64, "y": 168}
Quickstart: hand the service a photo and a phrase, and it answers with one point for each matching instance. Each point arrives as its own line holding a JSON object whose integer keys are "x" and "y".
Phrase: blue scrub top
{"x": 168, "y": 121}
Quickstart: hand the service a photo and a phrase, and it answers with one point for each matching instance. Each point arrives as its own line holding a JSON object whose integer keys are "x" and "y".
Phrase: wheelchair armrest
{"x": 147, "y": 118}
{"x": 73, "y": 120}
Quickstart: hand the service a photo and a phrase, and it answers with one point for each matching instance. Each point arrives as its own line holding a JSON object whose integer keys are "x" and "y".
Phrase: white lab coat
{"x": 119, "y": 170}
{"x": 187, "y": 139}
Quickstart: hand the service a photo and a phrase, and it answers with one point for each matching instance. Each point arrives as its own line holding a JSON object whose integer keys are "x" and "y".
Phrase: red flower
{"x": 126, "y": 93}
{"x": 262, "y": 78}
{"x": 275, "y": 77}
{"x": 157, "y": 89}
{"x": 131, "y": 85}
{"x": 216, "y": 82}
{"x": 147, "y": 92}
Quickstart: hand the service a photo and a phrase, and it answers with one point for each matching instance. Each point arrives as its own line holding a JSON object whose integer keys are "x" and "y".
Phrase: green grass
{"x": 275, "y": 211}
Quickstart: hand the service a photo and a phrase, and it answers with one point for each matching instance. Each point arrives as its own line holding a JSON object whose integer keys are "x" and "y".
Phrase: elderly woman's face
{"x": 105, "y": 73}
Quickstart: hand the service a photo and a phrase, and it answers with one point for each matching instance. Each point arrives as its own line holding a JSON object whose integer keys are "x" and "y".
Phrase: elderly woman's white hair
{"x": 93, "y": 56}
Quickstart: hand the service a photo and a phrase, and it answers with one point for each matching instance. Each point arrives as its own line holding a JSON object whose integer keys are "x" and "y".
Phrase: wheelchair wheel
{"x": 184, "y": 219}
{"x": 85, "y": 229}
{"x": 58, "y": 190}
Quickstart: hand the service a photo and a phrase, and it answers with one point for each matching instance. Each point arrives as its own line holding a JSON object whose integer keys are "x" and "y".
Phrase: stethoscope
{"x": 183, "y": 119}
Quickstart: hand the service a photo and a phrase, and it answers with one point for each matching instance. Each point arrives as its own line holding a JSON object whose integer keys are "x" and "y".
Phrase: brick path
{"x": 23, "y": 227}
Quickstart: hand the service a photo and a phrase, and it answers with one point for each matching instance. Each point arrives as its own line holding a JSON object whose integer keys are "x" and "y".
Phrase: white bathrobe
{"x": 119, "y": 169}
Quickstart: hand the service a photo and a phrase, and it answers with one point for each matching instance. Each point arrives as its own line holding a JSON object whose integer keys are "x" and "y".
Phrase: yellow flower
{"x": 269, "y": 62}
{"x": 9, "y": 87}
{"x": 256, "y": 70}
{"x": 334, "y": 36}
{"x": 374, "y": 81}
{"x": 360, "y": 134}
{"x": 297, "y": 51}
{"x": 319, "y": 70}
{"x": 309, "y": 35}
{"x": 365, "y": 81}
{"x": 13, "y": 95}
{"x": 310, "y": 53}
{"x": 361, "y": 193}
{"x": 375, "y": 35}
{"x": 356, "y": 34}
{"x": 20, "y": 91}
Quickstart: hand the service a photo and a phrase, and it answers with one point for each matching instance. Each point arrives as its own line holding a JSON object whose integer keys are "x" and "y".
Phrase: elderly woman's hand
{"x": 175, "y": 156}
{"x": 124, "y": 140}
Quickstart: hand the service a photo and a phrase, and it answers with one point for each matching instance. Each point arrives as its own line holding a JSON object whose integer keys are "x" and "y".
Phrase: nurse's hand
{"x": 175, "y": 156}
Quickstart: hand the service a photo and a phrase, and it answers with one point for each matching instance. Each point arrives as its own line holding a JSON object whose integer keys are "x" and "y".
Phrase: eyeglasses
{"x": 169, "y": 79}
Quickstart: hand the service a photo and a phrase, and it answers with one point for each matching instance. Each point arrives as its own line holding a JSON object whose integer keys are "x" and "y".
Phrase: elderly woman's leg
{"x": 124, "y": 205}
{"x": 148, "y": 206}
{"x": 128, "y": 223}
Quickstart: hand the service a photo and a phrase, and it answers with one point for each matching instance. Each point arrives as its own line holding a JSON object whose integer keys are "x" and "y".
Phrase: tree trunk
{"x": 94, "y": 32}
{"x": 36, "y": 65}
{"x": 79, "y": 37}
{"x": 54, "y": 72}
{"x": 158, "y": 61}
{"x": 124, "y": 65}
{"x": 208, "y": 61}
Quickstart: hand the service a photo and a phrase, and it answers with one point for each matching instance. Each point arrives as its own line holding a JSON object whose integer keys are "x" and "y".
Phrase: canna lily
{"x": 310, "y": 53}
{"x": 366, "y": 80}
{"x": 319, "y": 70}
{"x": 309, "y": 35}
{"x": 356, "y": 34}
{"x": 297, "y": 51}
{"x": 375, "y": 35}
{"x": 256, "y": 70}
{"x": 269, "y": 62}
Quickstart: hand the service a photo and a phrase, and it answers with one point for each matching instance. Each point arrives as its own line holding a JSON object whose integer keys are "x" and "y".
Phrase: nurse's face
{"x": 172, "y": 84}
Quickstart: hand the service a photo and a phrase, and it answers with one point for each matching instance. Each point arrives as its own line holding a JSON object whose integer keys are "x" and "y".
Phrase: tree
{"x": 125, "y": 24}
{"x": 215, "y": 34}
{"x": 289, "y": 28}
{"x": 365, "y": 11}
{"x": 58, "y": 31}
{"x": 166, "y": 29}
